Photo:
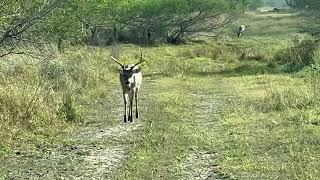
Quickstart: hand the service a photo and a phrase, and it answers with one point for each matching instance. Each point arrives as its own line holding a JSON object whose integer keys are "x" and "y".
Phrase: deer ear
{"x": 136, "y": 70}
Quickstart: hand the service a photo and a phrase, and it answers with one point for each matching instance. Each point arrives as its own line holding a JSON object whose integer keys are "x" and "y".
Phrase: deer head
{"x": 128, "y": 71}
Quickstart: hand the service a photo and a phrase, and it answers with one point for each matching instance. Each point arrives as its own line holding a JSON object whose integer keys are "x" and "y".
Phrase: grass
{"x": 272, "y": 131}
{"x": 174, "y": 128}
{"x": 42, "y": 99}
{"x": 221, "y": 109}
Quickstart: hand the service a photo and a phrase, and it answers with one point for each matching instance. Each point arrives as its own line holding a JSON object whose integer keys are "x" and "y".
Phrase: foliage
{"x": 207, "y": 105}
{"x": 276, "y": 3}
{"x": 312, "y": 4}
{"x": 288, "y": 98}
{"x": 68, "y": 110}
{"x": 255, "y": 4}
{"x": 106, "y": 21}
{"x": 16, "y": 23}
{"x": 301, "y": 53}
{"x": 62, "y": 25}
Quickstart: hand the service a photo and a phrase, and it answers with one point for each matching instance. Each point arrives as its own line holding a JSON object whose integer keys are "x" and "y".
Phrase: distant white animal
{"x": 241, "y": 29}
{"x": 130, "y": 79}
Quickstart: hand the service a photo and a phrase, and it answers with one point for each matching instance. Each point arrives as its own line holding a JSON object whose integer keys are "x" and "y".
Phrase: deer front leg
{"x": 125, "y": 99}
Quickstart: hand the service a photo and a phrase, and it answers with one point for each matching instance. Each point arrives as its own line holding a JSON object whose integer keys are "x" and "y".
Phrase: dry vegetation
{"x": 207, "y": 110}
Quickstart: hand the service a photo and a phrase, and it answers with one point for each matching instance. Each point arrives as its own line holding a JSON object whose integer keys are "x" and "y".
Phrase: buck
{"x": 130, "y": 79}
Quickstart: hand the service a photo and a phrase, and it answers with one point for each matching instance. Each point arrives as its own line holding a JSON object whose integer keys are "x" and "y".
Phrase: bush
{"x": 255, "y": 4}
{"x": 69, "y": 111}
{"x": 276, "y": 100}
{"x": 59, "y": 74}
{"x": 26, "y": 110}
{"x": 33, "y": 99}
{"x": 302, "y": 53}
{"x": 55, "y": 73}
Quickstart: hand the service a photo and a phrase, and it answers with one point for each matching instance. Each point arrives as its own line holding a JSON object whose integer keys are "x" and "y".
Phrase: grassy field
{"x": 212, "y": 110}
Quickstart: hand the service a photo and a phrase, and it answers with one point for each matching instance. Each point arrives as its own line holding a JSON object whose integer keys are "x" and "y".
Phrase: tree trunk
{"x": 115, "y": 34}
{"x": 94, "y": 35}
{"x": 60, "y": 48}
{"x": 175, "y": 38}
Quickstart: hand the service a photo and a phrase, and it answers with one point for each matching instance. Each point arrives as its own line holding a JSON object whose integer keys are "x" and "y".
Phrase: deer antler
{"x": 115, "y": 60}
{"x": 142, "y": 59}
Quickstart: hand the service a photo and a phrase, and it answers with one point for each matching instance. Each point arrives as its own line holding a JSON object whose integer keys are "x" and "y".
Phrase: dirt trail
{"x": 92, "y": 155}
{"x": 95, "y": 152}
{"x": 198, "y": 164}
{"x": 101, "y": 162}
{"x": 98, "y": 150}
{"x": 198, "y": 167}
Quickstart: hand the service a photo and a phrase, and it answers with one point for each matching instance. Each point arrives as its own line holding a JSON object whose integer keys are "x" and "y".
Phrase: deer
{"x": 130, "y": 79}
{"x": 241, "y": 29}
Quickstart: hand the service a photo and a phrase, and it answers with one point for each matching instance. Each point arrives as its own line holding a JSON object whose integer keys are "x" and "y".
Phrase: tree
{"x": 173, "y": 19}
{"x": 62, "y": 25}
{"x": 255, "y": 4}
{"x": 17, "y": 19}
{"x": 59, "y": 21}
{"x": 276, "y": 3}
{"x": 302, "y": 4}
{"x": 203, "y": 16}
{"x": 310, "y": 9}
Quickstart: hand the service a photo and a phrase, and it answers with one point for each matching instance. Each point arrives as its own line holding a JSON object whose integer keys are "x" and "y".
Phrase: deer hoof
{"x": 130, "y": 119}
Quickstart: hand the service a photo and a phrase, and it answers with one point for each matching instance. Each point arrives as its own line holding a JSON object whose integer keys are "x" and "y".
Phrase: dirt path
{"x": 102, "y": 161}
{"x": 95, "y": 152}
{"x": 100, "y": 149}
{"x": 200, "y": 165}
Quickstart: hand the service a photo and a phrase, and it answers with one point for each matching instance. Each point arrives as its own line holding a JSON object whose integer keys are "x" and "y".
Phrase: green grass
{"x": 174, "y": 128}
{"x": 239, "y": 115}
{"x": 273, "y": 130}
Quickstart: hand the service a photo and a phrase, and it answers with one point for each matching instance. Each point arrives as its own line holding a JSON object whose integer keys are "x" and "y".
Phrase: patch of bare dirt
{"x": 198, "y": 166}
{"x": 102, "y": 162}
{"x": 113, "y": 133}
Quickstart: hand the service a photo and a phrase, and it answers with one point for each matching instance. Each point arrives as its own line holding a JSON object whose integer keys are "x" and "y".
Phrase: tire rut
{"x": 200, "y": 164}
{"x": 96, "y": 151}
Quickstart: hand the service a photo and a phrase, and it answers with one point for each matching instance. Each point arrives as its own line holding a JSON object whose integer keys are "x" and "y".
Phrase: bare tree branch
{"x": 13, "y": 35}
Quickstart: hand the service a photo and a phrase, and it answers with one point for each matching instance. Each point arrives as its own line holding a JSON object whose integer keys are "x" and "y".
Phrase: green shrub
{"x": 254, "y": 67}
{"x": 55, "y": 74}
{"x": 26, "y": 110}
{"x": 53, "y": 70}
{"x": 33, "y": 104}
{"x": 276, "y": 100}
{"x": 69, "y": 111}
{"x": 302, "y": 53}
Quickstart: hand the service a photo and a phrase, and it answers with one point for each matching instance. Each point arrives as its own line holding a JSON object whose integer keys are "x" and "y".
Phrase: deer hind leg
{"x": 130, "y": 106}
{"x": 136, "y": 99}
